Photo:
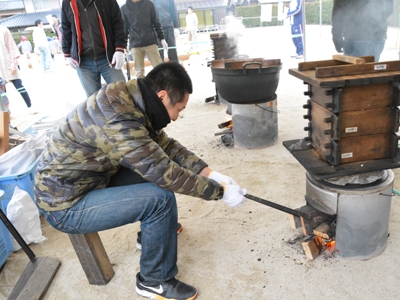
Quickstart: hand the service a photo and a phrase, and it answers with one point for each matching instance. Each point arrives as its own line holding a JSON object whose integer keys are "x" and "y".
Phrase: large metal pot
{"x": 246, "y": 81}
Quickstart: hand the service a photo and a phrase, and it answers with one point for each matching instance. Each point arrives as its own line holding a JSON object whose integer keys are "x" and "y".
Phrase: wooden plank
{"x": 378, "y": 67}
{"x": 310, "y": 249}
{"x": 325, "y": 231}
{"x": 4, "y": 132}
{"x": 312, "y": 65}
{"x": 349, "y": 59}
{"x": 93, "y": 257}
{"x": 36, "y": 279}
{"x": 317, "y": 217}
{"x": 294, "y": 222}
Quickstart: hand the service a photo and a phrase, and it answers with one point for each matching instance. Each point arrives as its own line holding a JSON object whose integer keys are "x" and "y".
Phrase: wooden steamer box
{"x": 352, "y": 117}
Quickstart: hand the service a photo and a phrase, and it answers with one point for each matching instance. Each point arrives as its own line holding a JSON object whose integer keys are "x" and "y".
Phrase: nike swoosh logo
{"x": 159, "y": 290}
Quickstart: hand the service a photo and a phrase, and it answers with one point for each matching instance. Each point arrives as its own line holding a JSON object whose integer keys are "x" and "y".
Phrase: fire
{"x": 330, "y": 246}
{"x": 324, "y": 245}
{"x": 227, "y": 125}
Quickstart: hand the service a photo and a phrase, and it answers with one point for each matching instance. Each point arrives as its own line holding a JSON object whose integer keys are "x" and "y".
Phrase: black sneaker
{"x": 172, "y": 289}
{"x": 139, "y": 237}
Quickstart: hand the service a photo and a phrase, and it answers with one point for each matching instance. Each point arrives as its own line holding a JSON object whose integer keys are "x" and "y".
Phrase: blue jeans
{"x": 89, "y": 72}
{"x": 364, "y": 48}
{"x": 46, "y": 57}
{"x": 112, "y": 207}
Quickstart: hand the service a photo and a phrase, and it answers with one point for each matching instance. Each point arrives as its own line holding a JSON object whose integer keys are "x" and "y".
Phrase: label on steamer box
{"x": 380, "y": 67}
{"x": 351, "y": 129}
{"x": 347, "y": 155}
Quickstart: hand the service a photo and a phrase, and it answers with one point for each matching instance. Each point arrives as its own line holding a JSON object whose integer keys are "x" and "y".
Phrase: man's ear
{"x": 162, "y": 94}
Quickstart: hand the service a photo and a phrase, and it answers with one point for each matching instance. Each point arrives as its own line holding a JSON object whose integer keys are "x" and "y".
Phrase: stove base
{"x": 363, "y": 213}
{"x": 255, "y": 125}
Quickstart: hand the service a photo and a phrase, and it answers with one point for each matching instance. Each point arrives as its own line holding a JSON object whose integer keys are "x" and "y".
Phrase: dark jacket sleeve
{"x": 66, "y": 28}
{"x": 126, "y": 21}
{"x": 156, "y": 21}
{"x": 117, "y": 25}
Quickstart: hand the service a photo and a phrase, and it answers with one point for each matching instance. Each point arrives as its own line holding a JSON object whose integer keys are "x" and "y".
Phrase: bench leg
{"x": 93, "y": 257}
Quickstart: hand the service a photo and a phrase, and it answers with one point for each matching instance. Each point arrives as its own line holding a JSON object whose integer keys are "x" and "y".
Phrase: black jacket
{"x": 167, "y": 13}
{"x": 141, "y": 23}
{"x": 360, "y": 20}
{"x": 111, "y": 25}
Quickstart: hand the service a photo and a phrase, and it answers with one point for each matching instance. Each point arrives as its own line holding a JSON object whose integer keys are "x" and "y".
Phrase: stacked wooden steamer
{"x": 352, "y": 110}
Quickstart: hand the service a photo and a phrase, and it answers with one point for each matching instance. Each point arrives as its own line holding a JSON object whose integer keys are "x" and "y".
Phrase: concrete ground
{"x": 242, "y": 253}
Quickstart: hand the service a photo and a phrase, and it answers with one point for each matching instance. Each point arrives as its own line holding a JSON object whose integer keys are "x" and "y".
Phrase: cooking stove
{"x": 352, "y": 124}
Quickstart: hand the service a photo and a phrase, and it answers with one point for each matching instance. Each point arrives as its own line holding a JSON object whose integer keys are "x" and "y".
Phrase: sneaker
{"x": 32, "y": 111}
{"x": 139, "y": 237}
{"x": 171, "y": 289}
{"x": 299, "y": 56}
{"x": 294, "y": 55}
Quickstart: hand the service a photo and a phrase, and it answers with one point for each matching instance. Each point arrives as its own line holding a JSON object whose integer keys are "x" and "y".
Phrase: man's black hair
{"x": 37, "y": 22}
{"x": 171, "y": 77}
{"x": 54, "y": 16}
{"x": 191, "y": 7}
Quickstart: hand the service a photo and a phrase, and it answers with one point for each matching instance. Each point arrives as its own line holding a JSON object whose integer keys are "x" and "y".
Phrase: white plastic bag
{"x": 24, "y": 215}
{"x": 19, "y": 158}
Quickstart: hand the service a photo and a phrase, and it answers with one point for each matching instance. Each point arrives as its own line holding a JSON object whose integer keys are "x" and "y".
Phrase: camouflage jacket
{"x": 108, "y": 130}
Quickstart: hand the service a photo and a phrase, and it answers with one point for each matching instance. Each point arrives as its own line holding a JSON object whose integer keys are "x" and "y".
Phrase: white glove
{"x": 234, "y": 195}
{"x": 221, "y": 178}
{"x": 118, "y": 60}
{"x": 165, "y": 45}
{"x": 72, "y": 63}
{"x": 176, "y": 32}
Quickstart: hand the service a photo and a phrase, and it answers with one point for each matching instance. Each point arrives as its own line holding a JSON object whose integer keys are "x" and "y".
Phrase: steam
{"x": 234, "y": 29}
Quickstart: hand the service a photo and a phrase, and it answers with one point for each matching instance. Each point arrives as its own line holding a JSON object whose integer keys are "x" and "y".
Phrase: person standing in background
{"x": 57, "y": 28}
{"x": 42, "y": 45}
{"x": 93, "y": 41}
{"x": 359, "y": 27}
{"x": 25, "y": 47}
{"x": 9, "y": 55}
{"x": 143, "y": 27}
{"x": 295, "y": 13}
{"x": 169, "y": 20}
{"x": 52, "y": 47}
{"x": 191, "y": 24}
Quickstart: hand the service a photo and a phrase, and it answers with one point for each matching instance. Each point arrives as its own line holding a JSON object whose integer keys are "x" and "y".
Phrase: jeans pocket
{"x": 55, "y": 218}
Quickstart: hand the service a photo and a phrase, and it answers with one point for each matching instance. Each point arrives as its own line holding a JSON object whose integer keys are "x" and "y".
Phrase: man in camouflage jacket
{"x": 119, "y": 128}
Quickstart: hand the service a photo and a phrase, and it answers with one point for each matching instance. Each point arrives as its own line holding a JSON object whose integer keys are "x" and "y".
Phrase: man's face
{"x": 55, "y": 20}
{"x": 190, "y": 10}
{"x": 173, "y": 111}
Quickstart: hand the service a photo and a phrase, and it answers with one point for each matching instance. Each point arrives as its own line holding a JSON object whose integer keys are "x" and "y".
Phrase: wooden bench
{"x": 93, "y": 257}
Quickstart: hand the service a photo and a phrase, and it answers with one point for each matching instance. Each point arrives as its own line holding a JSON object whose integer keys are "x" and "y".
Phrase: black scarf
{"x": 155, "y": 109}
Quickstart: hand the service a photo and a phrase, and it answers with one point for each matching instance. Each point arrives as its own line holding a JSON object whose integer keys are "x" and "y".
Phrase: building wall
{"x": 40, "y": 5}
